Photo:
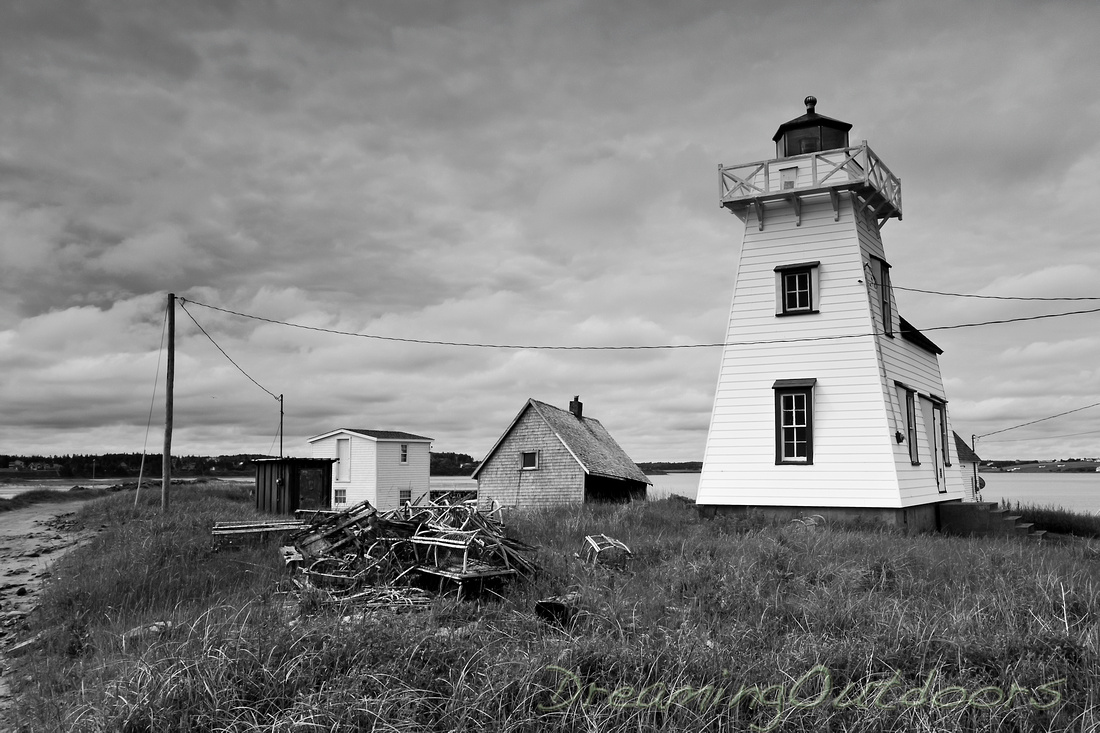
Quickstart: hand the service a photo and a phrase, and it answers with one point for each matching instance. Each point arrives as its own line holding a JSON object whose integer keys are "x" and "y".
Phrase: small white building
{"x": 384, "y": 467}
{"x": 969, "y": 463}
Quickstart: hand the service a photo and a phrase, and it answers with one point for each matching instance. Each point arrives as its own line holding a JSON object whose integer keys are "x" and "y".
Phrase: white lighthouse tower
{"x": 828, "y": 401}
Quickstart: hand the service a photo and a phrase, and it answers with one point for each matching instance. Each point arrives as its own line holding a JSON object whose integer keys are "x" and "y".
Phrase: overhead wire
{"x": 643, "y": 347}
{"x": 1045, "y": 437}
{"x": 1042, "y": 419}
{"x": 996, "y": 297}
{"x": 152, "y": 402}
{"x": 547, "y": 347}
{"x": 271, "y": 448}
{"x": 219, "y": 348}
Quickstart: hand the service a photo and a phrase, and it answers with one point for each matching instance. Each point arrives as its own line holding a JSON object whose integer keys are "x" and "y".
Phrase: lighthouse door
{"x": 933, "y": 426}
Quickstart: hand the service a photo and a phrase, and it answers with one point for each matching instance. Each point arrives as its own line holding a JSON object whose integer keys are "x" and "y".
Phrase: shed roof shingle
{"x": 585, "y": 438}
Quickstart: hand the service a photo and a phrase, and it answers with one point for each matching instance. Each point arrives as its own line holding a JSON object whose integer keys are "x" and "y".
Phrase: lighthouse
{"x": 828, "y": 401}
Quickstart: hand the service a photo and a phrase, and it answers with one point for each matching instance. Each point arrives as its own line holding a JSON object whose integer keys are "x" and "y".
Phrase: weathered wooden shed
{"x": 285, "y": 485}
{"x": 552, "y": 456}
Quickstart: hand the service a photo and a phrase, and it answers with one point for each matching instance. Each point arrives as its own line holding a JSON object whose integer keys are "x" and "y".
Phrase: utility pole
{"x": 280, "y": 426}
{"x": 166, "y": 465}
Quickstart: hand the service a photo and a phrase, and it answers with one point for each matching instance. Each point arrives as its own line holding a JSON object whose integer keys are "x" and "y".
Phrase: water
{"x": 20, "y": 486}
{"x": 1079, "y": 492}
{"x": 682, "y": 484}
{"x": 1075, "y": 491}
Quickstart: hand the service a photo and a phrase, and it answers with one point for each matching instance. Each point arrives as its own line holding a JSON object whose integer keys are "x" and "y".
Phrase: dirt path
{"x": 31, "y": 539}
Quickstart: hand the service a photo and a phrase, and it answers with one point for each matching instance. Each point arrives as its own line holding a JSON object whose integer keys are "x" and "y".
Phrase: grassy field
{"x": 719, "y": 625}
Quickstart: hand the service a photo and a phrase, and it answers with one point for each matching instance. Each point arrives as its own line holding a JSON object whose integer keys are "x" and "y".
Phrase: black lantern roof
{"x": 810, "y": 133}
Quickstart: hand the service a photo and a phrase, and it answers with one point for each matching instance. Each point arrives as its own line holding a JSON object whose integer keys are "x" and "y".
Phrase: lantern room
{"x": 810, "y": 133}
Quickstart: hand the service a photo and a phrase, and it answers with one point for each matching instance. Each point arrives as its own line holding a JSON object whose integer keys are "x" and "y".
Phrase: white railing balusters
{"x": 860, "y": 166}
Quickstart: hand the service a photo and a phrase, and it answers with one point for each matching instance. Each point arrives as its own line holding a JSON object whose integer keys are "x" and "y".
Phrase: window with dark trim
{"x": 796, "y": 288}
{"x": 529, "y": 460}
{"x": 911, "y": 425}
{"x": 794, "y": 421}
{"x": 886, "y": 306}
{"x": 342, "y": 470}
{"x": 404, "y": 453}
{"x": 941, "y": 415}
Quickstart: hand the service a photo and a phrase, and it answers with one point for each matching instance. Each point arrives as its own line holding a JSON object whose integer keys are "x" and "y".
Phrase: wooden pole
{"x": 166, "y": 465}
{"x": 280, "y": 426}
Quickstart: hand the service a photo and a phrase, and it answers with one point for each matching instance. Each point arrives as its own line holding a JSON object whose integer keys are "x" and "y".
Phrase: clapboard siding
{"x": 908, "y": 363}
{"x": 857, "y": 461}
{"x": 376, "y": 473}
{"x": 853, "y": 461}
{"x": 395, "y": 476}
{"x": 361, "y": 482}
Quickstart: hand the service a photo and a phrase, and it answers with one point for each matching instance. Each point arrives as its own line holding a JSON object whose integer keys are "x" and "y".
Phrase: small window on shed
{"x": 405, "y": 496}
{"x": 529, "y": 460}
{"x": 340, "y": 496}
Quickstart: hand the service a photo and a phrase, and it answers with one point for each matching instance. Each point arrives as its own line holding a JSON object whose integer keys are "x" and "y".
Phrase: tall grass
{"x": 1056, "y": 519}
{"x": 783, "y": 615}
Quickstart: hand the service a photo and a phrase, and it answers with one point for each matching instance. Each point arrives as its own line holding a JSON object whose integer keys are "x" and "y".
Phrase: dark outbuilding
{"x": 285, "y": 485}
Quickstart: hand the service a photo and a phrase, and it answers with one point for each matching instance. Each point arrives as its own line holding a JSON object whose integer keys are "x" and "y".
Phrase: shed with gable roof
{"x": 549, "y": 456}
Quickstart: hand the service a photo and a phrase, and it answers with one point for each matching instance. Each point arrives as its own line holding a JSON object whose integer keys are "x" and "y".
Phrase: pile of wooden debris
{"x": 391, "y": 558}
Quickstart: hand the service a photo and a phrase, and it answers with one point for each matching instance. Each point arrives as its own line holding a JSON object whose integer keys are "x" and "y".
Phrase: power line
{"x": 623, "y": 348}
{"x": 991, "y": 297}
{"x": 219, "y": 348}
{"x": 1045, "y": 437}
{"x": 710, "y": 345}
{"x": 1013, "y": 320}
{"x": 1042, "y": 419}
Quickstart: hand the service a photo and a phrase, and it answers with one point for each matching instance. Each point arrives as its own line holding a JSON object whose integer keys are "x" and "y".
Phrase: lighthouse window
{"x": 794, "y": 410}
{"x": 796, "y": 289}
{"x": 884, "y": 294}
{"x": 909, "y": 398}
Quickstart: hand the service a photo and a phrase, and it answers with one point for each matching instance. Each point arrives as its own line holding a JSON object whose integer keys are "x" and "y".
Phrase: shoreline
{"x": 32, "y": 539}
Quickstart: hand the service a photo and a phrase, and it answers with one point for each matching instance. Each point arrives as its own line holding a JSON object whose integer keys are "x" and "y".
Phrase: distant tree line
{"x": 125, "y": 465}
{"x": 122, "y": 465}
{"x": 452, "y": 464}
{"x": 658, "y": 467}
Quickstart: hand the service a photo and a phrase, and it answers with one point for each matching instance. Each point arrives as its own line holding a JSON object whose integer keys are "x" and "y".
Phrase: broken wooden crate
{"x": 599, "y": 548}
{"x": 356, "y": 553}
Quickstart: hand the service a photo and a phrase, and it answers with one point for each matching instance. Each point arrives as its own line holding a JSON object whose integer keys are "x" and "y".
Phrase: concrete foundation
{"x": 984, "y": 519}
{"x": 922, "y": 518}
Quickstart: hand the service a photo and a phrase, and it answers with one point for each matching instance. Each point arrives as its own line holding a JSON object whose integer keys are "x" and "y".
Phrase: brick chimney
{"x": 576, "y": 407}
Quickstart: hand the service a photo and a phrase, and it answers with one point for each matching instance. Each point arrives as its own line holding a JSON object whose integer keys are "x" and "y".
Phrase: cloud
{"x": 503, "y": 173}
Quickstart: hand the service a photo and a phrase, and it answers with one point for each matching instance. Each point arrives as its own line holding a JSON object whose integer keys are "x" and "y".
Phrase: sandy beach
{"x": 31, "y": 540}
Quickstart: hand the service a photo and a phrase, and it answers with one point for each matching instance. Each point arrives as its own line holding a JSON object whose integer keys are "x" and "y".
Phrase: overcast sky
{"x": 540, "y": 173}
